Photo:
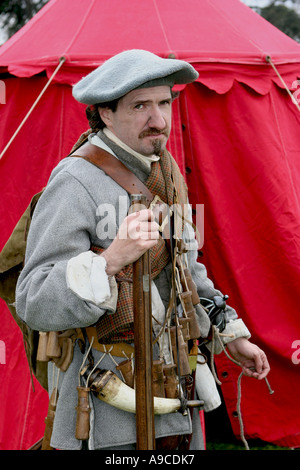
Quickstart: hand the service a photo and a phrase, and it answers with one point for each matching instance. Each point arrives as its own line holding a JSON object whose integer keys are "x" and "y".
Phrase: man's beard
{"x": 157, "y": 144}
{"x": 157, "y": 147}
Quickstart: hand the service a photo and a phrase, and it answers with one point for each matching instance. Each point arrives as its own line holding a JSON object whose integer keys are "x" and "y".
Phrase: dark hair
{"x": 93, "y": 115}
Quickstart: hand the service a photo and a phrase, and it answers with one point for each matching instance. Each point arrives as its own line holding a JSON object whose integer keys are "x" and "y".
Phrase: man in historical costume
{"x": 82, "y": 244}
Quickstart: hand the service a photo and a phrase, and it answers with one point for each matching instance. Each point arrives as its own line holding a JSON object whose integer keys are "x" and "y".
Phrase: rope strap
{"x": 216, "y": 334}
{"x": 61, "y": 62}
{"x": 269, "y": 60}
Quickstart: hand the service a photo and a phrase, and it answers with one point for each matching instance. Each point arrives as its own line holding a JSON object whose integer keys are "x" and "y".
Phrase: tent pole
{"x": 269, "y": 60}
{"x": 61, "y": 61}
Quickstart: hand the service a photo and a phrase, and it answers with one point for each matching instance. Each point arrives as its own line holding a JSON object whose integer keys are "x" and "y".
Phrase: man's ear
{"x": 105, "y": 114}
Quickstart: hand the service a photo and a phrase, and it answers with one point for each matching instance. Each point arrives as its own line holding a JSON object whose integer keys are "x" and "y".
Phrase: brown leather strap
{"x": 113, "y": 168}
{"x": 115, "y": 349}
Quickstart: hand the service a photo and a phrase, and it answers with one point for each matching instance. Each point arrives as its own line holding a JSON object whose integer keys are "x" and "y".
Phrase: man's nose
{"x": 156, "y": 118}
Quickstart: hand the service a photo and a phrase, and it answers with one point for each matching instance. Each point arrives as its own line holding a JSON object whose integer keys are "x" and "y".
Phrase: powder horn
{"x": 107, "y": 386}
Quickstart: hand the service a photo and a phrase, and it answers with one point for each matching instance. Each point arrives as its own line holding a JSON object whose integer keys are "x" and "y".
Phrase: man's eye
{"x": 139, "y": 106}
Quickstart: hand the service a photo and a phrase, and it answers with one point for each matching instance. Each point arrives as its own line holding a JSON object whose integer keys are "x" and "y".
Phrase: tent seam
{"x": 161, "y": 24}
{"x": 284, "y": 152}
{"x": 62, "y": 111}
{"x": 80, "y": 27}
{"x": 25, "y": 425}
{"x": 238, "y": 30}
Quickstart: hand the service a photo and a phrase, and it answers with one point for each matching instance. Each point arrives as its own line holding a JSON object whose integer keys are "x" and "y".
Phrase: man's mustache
{"x": 153, "y": 131}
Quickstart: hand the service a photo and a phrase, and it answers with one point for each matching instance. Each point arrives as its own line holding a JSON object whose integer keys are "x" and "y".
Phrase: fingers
{"x": 252, "y": 359}
{"x": 137, "y": 234}
{"x": 144, "y": 231}
{"x": 259, "y": 367}
{"x": 140, "y": 226}
{"x": 144, "y": 215}
{"x": 262, "y": 365}
{"x": 263, "y": 371}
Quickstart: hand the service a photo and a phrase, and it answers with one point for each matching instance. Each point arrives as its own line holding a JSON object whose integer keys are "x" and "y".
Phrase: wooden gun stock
{"x": 145, "y": 433}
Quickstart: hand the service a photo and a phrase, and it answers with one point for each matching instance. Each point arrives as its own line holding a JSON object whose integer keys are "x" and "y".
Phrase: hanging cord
{"x": 113, "y": 360}
{"x": 84, "y": 360}
{"x": 239, "y": 412}
{"x": 61, "y": 62}
{"x": 96, "y": 365}
{"x": 238, "y": 363}
{"x": 190, "y": 222}
{"x": 216, "y": 334}
{"x": 269, "y": 60}
{"x": 166, "y": 320}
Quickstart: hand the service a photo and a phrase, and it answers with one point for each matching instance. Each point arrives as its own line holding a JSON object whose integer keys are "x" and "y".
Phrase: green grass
{"x": 253, "y": 445}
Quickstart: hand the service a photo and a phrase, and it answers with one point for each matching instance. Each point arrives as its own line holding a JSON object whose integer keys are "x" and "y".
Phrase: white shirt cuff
{"x": 234, "y": 329}
{"x": 87, "y": 278}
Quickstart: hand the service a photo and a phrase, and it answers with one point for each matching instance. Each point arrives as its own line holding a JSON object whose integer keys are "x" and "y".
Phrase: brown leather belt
{"x": 115, "y": 349}
{"x": 114, "y": 168}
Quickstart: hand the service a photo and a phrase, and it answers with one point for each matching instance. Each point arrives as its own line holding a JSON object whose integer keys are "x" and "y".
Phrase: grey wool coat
{"x": 65, "y": 223}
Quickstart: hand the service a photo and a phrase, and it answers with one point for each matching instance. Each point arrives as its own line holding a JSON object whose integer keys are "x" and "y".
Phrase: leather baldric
{"x": 113, "y": 168}
{"x": 119, "y": 327}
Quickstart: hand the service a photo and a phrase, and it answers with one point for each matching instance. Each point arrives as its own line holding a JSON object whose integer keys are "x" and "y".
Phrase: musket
{"x": 145, "y": 431}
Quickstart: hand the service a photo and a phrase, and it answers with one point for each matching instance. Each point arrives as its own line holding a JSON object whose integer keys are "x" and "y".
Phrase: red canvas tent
{"x": 236, "y": 137}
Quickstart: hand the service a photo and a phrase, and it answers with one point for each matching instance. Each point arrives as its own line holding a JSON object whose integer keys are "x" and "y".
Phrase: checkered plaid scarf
{"x": 164, "y": 180}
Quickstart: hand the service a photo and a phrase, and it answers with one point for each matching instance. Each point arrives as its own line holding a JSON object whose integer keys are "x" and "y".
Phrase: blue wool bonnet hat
{"x": 129, "y": 70}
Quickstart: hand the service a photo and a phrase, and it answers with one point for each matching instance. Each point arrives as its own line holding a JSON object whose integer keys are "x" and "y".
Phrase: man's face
{"x": 142, "y": 119}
